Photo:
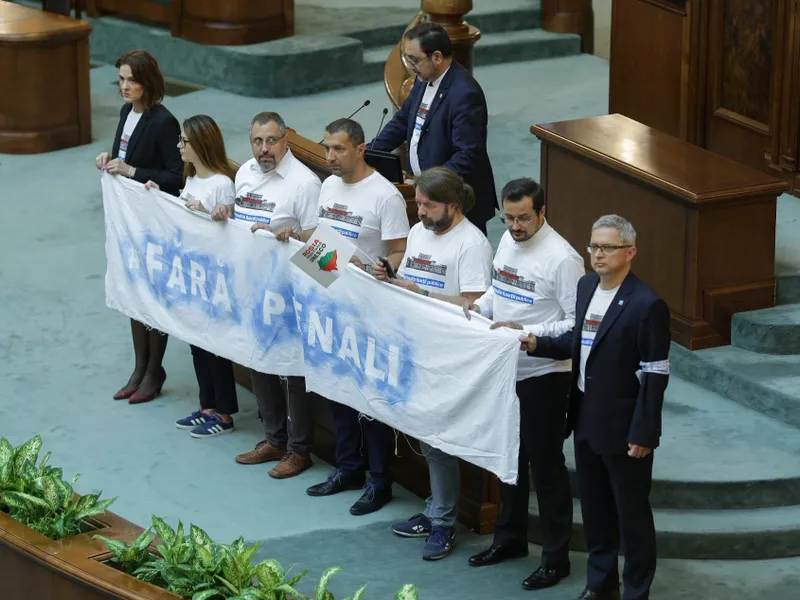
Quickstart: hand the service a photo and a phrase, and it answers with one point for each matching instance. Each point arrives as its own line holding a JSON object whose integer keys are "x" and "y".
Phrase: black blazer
{"x": 453, "y": 136}
{"x": 153, "y": 148}
{"x": 615, "y": 408}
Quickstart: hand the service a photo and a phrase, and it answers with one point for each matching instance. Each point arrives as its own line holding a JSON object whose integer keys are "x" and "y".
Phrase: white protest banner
{"x": 325, "y": 255}
{"x": 414, "y": 363}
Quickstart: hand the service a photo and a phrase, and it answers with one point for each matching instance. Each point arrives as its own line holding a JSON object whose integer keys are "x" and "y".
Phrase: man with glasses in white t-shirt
{"x": 275, "y": 190}
{"x": 534, "y": 278}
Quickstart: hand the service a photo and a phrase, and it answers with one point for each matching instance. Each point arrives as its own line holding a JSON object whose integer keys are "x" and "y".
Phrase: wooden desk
{"x": 480, "y": 494}
{"x": 44, "y": 78}
{"x": 705, "y": 224}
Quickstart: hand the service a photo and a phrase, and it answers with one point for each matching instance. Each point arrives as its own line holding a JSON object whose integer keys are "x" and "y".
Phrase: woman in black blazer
{"x": 145, "y": 149}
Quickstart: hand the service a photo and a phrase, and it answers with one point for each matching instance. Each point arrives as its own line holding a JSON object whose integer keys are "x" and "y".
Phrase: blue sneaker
{"x": 439, "y": 543}
{"x": 193, "y": 420}
{"x": 417, "y": 526}
{"x": 213, "y": 427}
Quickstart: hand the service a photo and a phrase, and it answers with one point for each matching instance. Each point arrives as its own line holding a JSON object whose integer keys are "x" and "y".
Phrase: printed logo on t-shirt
{"x": 590, "y": 326}
{"x": 509, "y": 276}
{"x": 422, "y": 114}
{"x": 255, "y": 202}
{"x": 423, "y": 262}
{"x": 123, "y": 146}
{"x": 339, "y": 212}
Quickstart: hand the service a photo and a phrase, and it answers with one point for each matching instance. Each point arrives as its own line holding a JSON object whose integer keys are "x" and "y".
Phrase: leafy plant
{"x": 38, "y": 497}
{"x": 195, "y": 566}
{"x": 126, "y": 557}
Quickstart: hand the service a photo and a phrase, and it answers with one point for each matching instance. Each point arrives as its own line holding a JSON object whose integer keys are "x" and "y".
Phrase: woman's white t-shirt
{"x": 127, "y": 132}
{"x": 217, "y": 189}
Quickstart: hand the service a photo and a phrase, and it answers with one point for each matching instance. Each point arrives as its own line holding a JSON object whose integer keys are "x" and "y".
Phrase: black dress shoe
{"x": 374, "y": 498}
{"x": 544, "y": 578}
{"x": 336, "y": 482}
{"x": 497, "y": 554}
{"x": 588, "y": 594}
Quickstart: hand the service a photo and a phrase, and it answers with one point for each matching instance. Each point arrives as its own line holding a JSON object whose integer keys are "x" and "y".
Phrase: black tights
{"x": 149, "y": 346}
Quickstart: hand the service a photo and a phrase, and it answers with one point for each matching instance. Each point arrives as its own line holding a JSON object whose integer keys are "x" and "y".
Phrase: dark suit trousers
{"x": 543, "y": 416}
{"x": 353, "y": 433}
{"x": 286, "y": 409}
{"x": 216, "y": 381}
{"x": 615, "y": 500}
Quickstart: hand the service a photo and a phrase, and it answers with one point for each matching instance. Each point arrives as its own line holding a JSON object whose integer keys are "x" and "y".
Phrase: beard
{"x": 267, "y": 162}
{"x": 521, "y": 236}
{"x": 437, "y": 226}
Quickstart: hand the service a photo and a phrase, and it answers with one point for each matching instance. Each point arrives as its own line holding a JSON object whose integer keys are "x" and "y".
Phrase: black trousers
{"x": 287, "y": 411}
{"x": 216, "y": 381}
{"x": 615, "y": 501}
{"x": 377, "y": 439}
{"x": 543, "y": 403}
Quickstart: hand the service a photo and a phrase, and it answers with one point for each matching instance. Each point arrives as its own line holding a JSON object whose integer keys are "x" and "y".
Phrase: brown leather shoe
{"x": 291, "y": 464}
{"x": 263, "y": 452}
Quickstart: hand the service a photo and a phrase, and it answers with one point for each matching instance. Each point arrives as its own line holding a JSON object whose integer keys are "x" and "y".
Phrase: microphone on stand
{"x": 366, "y": 103}
{"x": 377, "y": 133}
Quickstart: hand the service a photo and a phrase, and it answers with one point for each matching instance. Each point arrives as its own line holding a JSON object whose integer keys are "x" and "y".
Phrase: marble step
{"x": 486, "y": 18}
{"x": 787, "y": 288}
{"x": 494, "y": 48}
{"x": 754, "y": 534}
{"x": 716, "y": 454}
{"x": 769, "y": 331}
{"x": 769, "y": 384}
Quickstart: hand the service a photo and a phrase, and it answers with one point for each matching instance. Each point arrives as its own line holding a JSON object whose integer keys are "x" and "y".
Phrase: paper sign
{"x": 325, "y": 255}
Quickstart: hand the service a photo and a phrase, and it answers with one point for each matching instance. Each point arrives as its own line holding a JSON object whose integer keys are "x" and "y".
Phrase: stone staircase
{"x": 726, "y": 481}
{"x": 326, "y": 56}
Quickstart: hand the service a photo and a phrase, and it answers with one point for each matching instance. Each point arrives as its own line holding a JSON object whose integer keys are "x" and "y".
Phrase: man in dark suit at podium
{"x": 444, "y": 119}
{"x": 620, "y": 368}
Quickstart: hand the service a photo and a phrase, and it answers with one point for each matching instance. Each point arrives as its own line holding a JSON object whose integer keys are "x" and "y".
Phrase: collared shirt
{"x": 534, "y": 283}
{"x": 286, "y": 196}
{"x": 422, "y": 114}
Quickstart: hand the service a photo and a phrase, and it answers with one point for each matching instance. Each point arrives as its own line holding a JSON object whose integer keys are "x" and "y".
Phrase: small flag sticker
{"x": 327, "y": 262}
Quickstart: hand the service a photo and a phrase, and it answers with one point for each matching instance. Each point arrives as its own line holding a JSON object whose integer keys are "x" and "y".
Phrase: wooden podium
{"x": 705, "y": 224}
{"x": 44, "y": 78}
{"x": 480, "y": 496}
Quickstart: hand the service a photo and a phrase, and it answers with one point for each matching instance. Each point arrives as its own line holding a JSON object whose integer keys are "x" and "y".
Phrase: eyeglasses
{"x": 270, "y": 141}
{"x": 415, "y": 60}
{"x": 605, "y": 248}
{"x": 522, "y": 220}
{"x": 182, "y": 142}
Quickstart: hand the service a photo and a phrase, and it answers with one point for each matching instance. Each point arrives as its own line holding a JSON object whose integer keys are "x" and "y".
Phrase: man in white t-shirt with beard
{"x": 534, "y": 280}
{"x": 366, "y": 208}
{"x": 447, "y": 258}
{"x": 275, "y": 190}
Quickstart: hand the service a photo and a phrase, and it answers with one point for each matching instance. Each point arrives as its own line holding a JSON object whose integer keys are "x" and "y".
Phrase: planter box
{"x": 33, "y": 567}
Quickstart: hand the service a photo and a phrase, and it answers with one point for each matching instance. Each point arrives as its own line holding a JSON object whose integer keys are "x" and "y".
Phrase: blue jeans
{"x": 442, "y": 505}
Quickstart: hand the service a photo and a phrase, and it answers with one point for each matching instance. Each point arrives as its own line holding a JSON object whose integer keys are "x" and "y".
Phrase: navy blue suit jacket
{"x": 453, "y": 136}
{"x": 615, "y": 408}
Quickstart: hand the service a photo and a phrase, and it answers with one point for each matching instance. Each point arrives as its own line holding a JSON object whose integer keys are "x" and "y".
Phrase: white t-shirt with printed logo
{"x": 431, "y": 89}
{"x": 213, "y": 190}
{"x": 127, "y": 131}
{"x": 369, "y": 213}
{"x": 598, "y": 307}
{"x": 534, "y": 283}
{"x": 287, "y": 196}
{"x": 458, "y": 261}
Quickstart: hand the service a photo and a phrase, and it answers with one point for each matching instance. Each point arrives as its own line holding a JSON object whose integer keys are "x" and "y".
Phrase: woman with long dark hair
{"x": 209, "y": 182}
{"x": 144, "y": 150}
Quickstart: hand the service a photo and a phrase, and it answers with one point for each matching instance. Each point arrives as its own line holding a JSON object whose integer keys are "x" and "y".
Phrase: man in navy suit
{"x": 620, "y": 370}
{"x": 443, "y": 119}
